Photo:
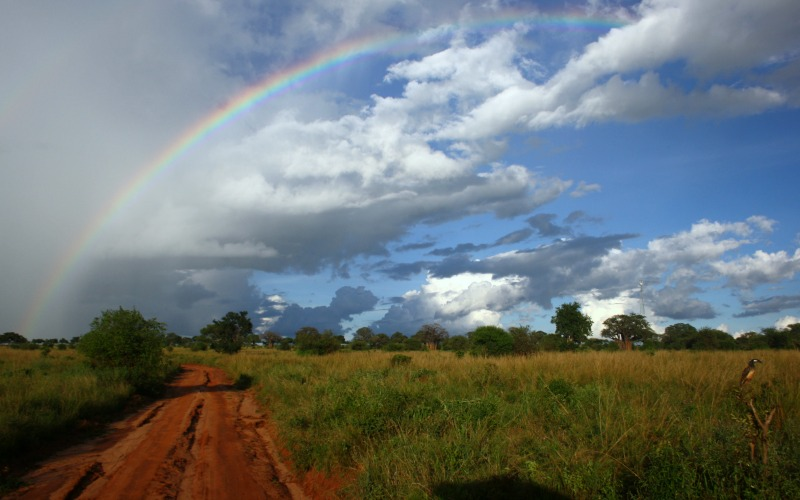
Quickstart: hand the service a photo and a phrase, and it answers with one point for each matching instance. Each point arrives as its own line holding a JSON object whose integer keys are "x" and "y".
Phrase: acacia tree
{"x": 625, "y": 329}
{"x": 271, "y": 338}
{"x": 229, "y": 334}
{"x": 571, "y": 324}
{"x": 432, "y": 335}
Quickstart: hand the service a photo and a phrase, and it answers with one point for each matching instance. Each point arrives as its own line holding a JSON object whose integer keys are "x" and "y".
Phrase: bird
{"x": 749, "y": 371}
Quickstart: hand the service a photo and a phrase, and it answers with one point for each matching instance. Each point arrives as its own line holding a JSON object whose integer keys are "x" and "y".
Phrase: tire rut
{"x": 169, "y": 475}
{"x": 203, "y": 440}
{"x": 94, "y": 472}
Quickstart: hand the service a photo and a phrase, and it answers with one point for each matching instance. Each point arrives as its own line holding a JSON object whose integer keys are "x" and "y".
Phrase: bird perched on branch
{"x": 749, "y": 371}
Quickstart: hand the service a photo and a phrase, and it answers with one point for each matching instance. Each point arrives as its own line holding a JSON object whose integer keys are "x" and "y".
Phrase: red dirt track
{"x": 203, "y": 440}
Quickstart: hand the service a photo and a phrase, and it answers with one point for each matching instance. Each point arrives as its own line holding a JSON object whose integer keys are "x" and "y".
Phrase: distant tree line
{"x": 573, "y": 331}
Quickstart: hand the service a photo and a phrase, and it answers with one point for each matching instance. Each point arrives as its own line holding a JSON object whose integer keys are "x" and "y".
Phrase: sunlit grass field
{"x": 432, "y": 424}
{"x": 582, "y": 425}
{"x": 43, "y": 396}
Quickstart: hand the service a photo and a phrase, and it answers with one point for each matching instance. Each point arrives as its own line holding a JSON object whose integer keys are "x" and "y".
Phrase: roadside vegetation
{"x": 582, "y": 425}
{"x": 514, "y": 412}
{"x": 45, "y": 397}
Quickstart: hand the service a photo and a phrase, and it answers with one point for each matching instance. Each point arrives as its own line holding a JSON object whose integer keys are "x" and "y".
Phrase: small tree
{"x": 526, "y": 341}
{"x": 308, "y": 340}
{"x": 122, "y": 339}
{"x": 271, "y": 338}
{"x": 571, "y": 324}
{"x": 491, "y": 341}
{"x": 678, "y": 336}
{"x": 364, "y": 334}
{"x": 432, "y": 335}
{"x": 12, "y": 338}
{"x": 228, "y": 334}
{"x": 625, "y": 329}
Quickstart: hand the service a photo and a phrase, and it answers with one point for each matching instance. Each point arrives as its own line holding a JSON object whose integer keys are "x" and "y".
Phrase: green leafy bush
{"x": 126, "y": 344}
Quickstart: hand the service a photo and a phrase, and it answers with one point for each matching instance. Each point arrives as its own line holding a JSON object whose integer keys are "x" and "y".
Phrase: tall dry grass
{"x": 609, "y": 424}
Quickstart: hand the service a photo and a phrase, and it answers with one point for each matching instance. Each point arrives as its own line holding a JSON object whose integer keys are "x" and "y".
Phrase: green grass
{"x": 45, "y": 397}
{"x": 584, "y": 425}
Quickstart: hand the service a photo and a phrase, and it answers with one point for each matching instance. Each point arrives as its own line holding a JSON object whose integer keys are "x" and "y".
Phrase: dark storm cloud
{"x": 347, "y": 302}
{"x": 187, "y": 294}
{"x": 186, "y": 300}
{"x": 775, "y": 303}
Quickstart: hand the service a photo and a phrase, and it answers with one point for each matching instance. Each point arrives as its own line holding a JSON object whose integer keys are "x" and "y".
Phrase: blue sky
{"x": 505, "y": 158}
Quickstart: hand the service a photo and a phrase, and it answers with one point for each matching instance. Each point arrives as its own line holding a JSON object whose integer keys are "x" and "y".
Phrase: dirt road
{"x": 203, "y": 440}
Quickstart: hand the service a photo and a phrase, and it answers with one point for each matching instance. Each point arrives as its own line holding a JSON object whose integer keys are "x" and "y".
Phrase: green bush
{"x": 400, "y": 359}
{"x": 124, "y": 342}
{"x": 491, "y": 341}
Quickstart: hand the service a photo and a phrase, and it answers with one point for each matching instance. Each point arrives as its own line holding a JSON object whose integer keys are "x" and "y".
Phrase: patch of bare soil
{"x": 203, "y": 440}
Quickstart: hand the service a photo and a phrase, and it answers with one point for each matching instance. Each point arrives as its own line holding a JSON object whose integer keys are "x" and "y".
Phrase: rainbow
{"x": 273, "y": 85}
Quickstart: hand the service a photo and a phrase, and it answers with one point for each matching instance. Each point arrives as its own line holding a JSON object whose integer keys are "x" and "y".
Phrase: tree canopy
{"x": 229, "y": 334}
{"x": 432, "y": 335}
{"x": 12, "y": 338}
{"x": 625, "y": 329}
{"x": 571, "y": 324}
{"x": 308, "y": 340}
{"x": 123, "y": 339}
{"x": 491, "y": 341}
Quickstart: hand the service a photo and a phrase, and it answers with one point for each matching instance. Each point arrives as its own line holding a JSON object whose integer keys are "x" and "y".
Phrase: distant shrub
{"x": 400, "y": 360}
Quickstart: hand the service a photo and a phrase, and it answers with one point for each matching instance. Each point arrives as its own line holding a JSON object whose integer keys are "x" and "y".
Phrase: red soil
{"x": 203, "y": 440}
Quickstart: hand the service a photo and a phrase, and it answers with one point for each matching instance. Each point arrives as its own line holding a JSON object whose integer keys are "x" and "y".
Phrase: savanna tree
{"x": 271, "y": 338}
{"x": 491, "y": 341}
{"x": 228, "y": 334}
{"x": 432, "y": 335}
{"x": 571, "y": 324}
{"x": 625, "y": 329}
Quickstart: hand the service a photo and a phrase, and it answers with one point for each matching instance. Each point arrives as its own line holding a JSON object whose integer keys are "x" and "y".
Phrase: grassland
{"x": 582, "y": 425}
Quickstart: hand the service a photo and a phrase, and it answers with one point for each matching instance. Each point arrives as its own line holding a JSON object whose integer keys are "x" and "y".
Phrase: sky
{"x": 388, "y": 164}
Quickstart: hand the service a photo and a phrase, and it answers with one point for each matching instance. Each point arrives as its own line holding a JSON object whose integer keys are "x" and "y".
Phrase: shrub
{"x": 491, "y": 341}
{"x": 400, "y": 360}
{"x": 124, "y": 342}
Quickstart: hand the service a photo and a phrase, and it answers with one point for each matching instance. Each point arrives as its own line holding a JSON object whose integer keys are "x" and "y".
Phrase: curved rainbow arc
{"x": 273, "y": 85}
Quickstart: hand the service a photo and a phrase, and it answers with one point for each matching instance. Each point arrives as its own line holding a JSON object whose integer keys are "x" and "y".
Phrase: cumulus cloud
{"x": 618, "y": 76}
{"x": 785, "y": 321}
{"x": 601, "y": 274}
{"x": 760, "y": 268}
{"x": 337, "y": 175}
{"x": 459, "y": 303}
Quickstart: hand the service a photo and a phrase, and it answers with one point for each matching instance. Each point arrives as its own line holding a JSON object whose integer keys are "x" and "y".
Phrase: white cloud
{"x": 583, "y": 189}
{"x": 760, "y": 268}
{"x": 713, "y": 38}
{"x": 785, "y": 321}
